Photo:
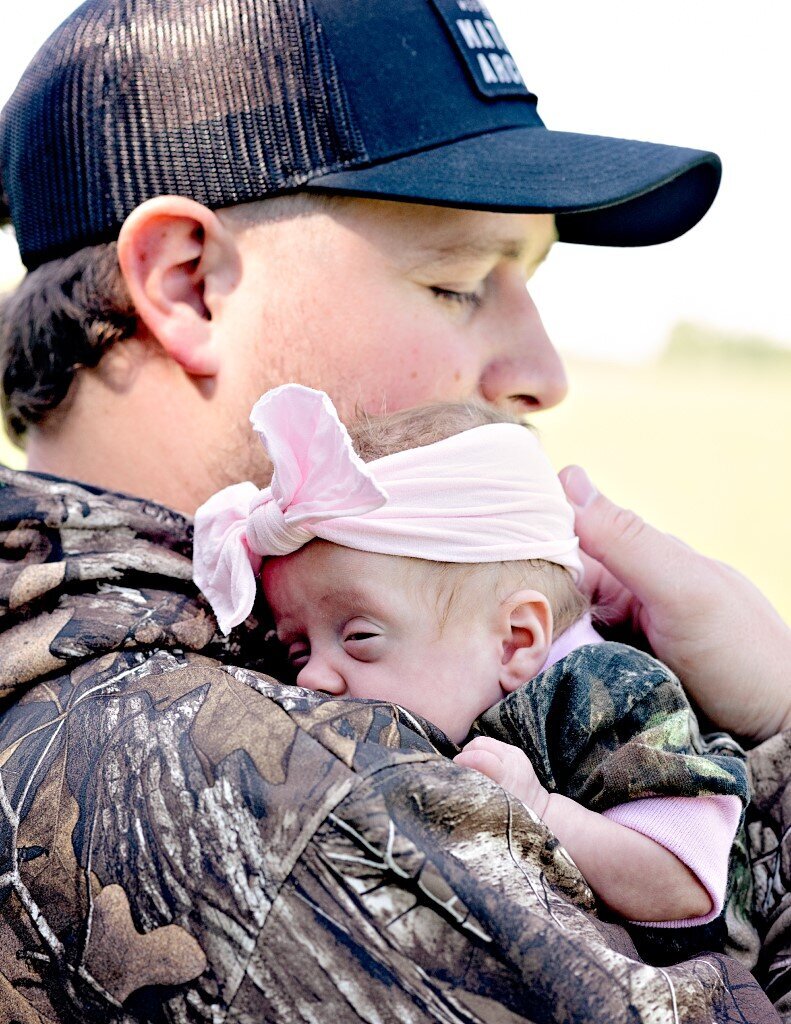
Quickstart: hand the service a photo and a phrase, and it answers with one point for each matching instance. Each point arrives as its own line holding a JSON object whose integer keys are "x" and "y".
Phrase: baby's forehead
{"x": 335, "y": 579}
{"x": 330, "y": 572}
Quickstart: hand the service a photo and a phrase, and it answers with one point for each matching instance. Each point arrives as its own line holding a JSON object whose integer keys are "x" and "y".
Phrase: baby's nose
{"x": 317, "y": 675}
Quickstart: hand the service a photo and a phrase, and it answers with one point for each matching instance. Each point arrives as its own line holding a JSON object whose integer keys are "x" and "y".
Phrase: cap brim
{"x": 603, "y": 191}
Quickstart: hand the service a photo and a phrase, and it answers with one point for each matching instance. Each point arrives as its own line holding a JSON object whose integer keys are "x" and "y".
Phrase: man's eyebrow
{"x": 484, "y": 248}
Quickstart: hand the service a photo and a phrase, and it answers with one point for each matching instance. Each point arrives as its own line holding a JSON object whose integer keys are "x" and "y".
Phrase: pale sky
{"x": 711, "y": 74}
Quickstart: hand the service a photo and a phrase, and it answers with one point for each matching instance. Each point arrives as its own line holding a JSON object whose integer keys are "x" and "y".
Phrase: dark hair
{"x": 62, "y": 316}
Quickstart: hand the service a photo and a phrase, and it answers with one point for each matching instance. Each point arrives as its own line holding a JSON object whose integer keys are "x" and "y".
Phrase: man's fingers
{"x": 605, "y": 591}
{"x": 652, "y": 565}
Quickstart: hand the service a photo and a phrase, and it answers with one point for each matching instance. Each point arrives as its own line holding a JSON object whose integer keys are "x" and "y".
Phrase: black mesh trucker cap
{"x": 228, "y": 101}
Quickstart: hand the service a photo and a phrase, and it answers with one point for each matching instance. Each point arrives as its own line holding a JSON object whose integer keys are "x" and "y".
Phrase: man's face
{"x": 388, "y": 305}
{"x": 358, "y": 624}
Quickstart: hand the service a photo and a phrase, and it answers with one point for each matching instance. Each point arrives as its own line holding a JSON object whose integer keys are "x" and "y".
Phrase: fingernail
{"x": 579, "y": 490}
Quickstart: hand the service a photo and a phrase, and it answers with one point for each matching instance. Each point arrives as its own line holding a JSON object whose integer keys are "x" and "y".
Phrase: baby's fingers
{"x": 506, "y": 765}
{"x": 493, "y": 746}
{"x": 483, "y": 761}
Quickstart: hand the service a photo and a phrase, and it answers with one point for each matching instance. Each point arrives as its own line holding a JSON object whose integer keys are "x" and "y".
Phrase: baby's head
{"x": 446, "y": 640}
{"x": 425, "y": 560}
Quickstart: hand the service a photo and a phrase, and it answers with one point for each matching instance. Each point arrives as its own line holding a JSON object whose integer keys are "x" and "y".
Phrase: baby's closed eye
{"x": 362, "y": 641}
{"x": 298, "y": 654}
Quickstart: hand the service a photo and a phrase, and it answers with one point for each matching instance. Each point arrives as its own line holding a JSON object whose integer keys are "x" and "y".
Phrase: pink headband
{"x": 488, "y": 494}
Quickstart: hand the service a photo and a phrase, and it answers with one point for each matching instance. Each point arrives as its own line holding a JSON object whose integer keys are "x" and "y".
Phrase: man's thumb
{"x": 645, "y": 560}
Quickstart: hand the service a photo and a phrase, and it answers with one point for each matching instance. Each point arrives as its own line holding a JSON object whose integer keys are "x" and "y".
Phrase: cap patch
{"x": 482, "y": 48}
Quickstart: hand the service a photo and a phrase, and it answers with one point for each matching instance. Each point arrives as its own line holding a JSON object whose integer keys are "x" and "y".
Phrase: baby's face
{"x": 365, "y": 625}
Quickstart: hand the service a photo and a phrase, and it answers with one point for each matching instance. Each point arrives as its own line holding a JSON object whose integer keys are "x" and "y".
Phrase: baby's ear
{"x": 526, "y": 620}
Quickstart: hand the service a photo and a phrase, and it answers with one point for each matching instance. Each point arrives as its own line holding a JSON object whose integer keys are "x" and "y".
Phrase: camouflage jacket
{"x": 184, "y": 839}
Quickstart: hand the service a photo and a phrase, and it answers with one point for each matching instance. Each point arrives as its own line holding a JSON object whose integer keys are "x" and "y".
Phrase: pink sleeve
{"x": 699, "y": 830}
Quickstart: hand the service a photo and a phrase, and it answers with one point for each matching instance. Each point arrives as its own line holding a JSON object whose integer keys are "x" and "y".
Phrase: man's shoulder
{"x": 191, "y": 720}
{"x": 160, "y": 785}
{"x": 85, "y": 573}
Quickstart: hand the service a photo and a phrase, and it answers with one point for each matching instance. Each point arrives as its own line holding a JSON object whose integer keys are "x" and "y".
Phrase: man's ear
{"x": 178, "y": 260}
{"x": 526, "y": 622}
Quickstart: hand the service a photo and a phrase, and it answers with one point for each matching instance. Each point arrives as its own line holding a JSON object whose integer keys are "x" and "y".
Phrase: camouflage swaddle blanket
{"x": 608, "y": 725}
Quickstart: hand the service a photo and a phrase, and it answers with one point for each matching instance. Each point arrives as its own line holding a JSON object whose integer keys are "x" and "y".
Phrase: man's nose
{"x": 318, "y": 674}
{"x": 524, "y": 372}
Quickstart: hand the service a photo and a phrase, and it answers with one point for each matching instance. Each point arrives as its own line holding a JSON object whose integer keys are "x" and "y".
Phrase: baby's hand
{"x": 509, "y": 767}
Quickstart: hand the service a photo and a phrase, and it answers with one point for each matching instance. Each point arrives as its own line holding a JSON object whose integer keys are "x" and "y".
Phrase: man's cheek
{"x": 441, "y": 374}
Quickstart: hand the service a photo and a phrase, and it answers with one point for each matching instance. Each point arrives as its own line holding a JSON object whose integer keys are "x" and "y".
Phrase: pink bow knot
{"x": 269, "y": 531}
{"x": 316, "y": 477}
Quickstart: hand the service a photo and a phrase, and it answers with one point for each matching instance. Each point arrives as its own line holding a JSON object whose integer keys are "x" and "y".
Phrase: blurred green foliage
{"x": 694, "y": 343}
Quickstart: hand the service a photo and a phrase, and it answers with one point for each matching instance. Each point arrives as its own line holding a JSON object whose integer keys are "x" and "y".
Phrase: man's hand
{"x": 718, "y": 633}
{"x": 509, "y": 767}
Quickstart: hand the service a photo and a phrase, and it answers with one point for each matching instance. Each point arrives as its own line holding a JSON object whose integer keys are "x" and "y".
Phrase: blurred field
{"x": 10, "y": 455}
{"x": 700, "y": 447}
